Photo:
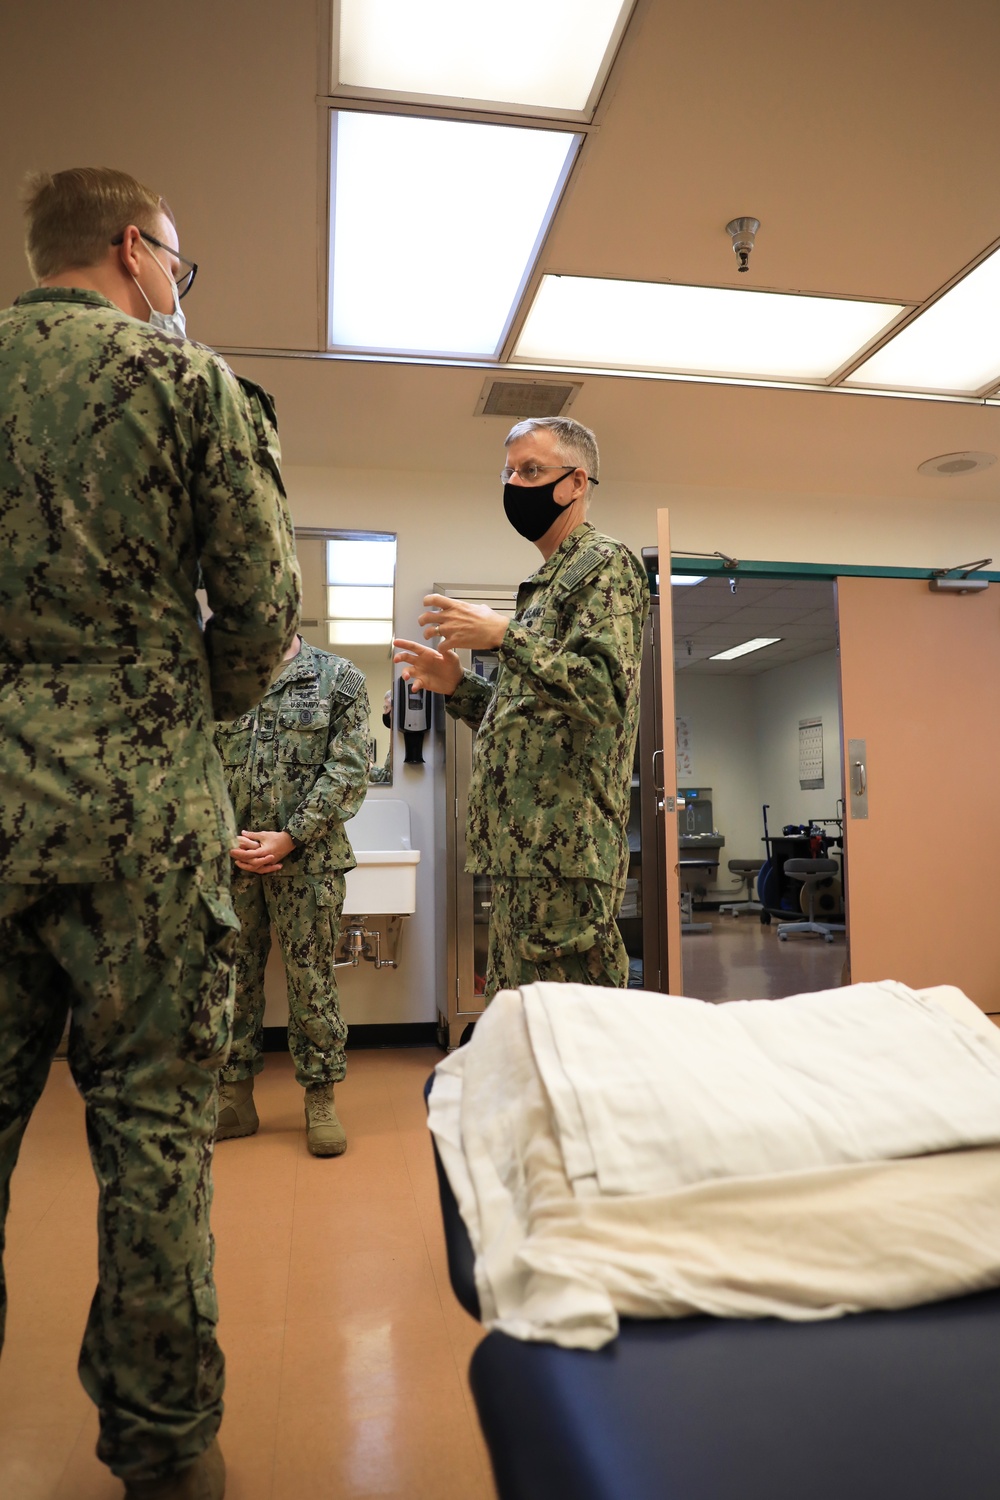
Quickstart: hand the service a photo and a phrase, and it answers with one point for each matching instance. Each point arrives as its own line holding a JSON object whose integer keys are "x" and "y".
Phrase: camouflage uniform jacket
{"x": 552, "y": 770}
{"x": 134, "y": 469}
{"x": 298, "y": 762}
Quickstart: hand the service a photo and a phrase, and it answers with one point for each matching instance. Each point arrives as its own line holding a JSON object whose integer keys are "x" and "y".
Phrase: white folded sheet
{"x": 620, "y": 1152}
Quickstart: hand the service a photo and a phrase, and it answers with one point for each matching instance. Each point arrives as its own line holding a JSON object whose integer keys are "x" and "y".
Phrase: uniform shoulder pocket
{"x": 587, "y": 565}
{"x": 349, "y": 685}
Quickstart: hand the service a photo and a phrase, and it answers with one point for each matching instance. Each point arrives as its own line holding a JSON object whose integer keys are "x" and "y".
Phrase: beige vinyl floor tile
{"x": 346, "y": 1352}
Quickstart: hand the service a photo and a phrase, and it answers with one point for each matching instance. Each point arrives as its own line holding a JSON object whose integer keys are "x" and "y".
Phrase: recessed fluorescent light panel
{"x": 696, "y": 329}
{"x": 757, "y": 644}
{"x": 436, "y": 225}
{"x": 952, "y": 348}
{"x": 525, "y": 54}
{"x": 687, "y": 580}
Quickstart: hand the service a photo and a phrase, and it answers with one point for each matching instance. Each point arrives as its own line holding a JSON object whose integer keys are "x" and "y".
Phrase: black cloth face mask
{"x": 531, "y": 509}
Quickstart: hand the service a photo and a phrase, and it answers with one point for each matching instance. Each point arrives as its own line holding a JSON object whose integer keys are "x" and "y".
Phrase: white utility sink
{"x": 385, "y": 878}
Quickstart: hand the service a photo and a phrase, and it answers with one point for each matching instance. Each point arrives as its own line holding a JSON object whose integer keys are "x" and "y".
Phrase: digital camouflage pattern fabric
{"x": 145, "y": 967}
{"x": 134, "y": 468}
{"x": 560, "y": 931}
{"x": 305, "y": 912}
{"x": 555, "y": 741}
{"x": 298, "y": 764}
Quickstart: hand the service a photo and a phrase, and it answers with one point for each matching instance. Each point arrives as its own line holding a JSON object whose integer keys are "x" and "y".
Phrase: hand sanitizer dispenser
{"x": 412, "y": 711}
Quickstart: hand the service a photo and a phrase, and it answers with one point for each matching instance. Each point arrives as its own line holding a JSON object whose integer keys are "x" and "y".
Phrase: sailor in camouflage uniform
{"x": 133, "y": 469}
{"x": 297, "y": 767}
{"x": 552, "y": 771}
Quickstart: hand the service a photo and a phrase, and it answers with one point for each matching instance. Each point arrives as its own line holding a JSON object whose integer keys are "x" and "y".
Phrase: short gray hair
{"x": 574, "y": 442}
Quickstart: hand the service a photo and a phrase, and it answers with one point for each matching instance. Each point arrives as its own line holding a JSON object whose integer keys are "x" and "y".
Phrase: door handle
{"x": 857, "y": 759}
{"x": 657, "y": 785}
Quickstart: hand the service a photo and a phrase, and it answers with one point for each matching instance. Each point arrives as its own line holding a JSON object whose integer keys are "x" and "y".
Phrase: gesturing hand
{"x": 459, "y": 623}
{"x": 439, "y": 672}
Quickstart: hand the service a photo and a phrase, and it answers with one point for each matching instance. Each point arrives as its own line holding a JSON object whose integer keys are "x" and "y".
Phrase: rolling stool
{"x": 687, "y": 867}
{"x": 746, "y": 869}
{"x": 811, "y": 872}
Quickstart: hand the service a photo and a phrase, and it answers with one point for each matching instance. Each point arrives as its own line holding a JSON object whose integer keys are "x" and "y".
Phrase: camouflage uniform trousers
{"x": 144, "y": 968}
{"x": 562, "y": 931}
{"x": 305, "y": 911}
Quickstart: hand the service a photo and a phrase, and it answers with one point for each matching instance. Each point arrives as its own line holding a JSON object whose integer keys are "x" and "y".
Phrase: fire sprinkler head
{"x": 742, "y": 232}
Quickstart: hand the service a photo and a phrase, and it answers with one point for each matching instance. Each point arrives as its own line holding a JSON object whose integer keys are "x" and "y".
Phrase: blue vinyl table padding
{"x": 876, "y": 1406}
{"x": 873, "y": 1406}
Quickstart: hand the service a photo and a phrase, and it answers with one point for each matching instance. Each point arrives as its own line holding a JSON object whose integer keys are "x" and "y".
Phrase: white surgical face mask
{"x": 173, "y": 322}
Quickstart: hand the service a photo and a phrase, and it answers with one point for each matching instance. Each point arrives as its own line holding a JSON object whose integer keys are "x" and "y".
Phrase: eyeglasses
{"x": 185, "y": 281}
{"x": 530, "y": 472}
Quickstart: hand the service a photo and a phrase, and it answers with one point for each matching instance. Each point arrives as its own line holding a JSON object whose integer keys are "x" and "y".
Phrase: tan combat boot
{"x": 205, "y": 1479}
{"x": 237, "y": 1111}
{"x": 325, "y": 1136}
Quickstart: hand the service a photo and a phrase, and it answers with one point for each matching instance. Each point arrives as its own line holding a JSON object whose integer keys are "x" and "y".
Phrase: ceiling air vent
{"x": 527, "y": 398}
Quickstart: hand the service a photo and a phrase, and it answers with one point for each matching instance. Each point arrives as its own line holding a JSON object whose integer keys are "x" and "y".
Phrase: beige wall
{"x": 720, "y": 711}
{"x": 801, "y": 690}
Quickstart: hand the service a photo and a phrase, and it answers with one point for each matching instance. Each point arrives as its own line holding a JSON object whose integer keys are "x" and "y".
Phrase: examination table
{"x": 872, "y": 1406}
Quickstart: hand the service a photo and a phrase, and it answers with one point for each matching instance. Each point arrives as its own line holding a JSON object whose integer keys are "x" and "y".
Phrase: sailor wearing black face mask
{"x": 548, "y": 802}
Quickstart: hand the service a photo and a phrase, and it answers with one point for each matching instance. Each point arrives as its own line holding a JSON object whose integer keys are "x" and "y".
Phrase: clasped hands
{"x": 457, "y": 624}
{"x": 261, "y": 853}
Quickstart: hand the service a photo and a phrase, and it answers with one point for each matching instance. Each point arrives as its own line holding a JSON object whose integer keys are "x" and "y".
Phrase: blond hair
{"x": 73, "y": 216}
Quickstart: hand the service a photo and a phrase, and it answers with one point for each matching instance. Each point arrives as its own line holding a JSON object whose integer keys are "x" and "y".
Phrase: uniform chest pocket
{"x": 233, "y": 740}
{"x": 302, "y": 735}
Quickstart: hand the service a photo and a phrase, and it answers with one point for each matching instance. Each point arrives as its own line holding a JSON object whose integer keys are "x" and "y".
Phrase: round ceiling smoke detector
{"x": 951, "y": 465}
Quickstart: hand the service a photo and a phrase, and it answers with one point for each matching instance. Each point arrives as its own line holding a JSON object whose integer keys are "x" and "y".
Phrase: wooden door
{"x": 920, "y": 726}
{"x": 675, "y": 983}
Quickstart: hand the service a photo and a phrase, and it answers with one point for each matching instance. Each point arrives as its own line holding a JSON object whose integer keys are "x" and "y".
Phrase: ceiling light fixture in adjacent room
{"x": 757, "y": 644}
{"x": 952, "y": 465}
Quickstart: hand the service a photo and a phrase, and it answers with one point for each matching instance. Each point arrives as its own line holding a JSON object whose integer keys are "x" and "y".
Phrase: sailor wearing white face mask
{"x": 173, "y": 321}
{"x": 178, "y": 274}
